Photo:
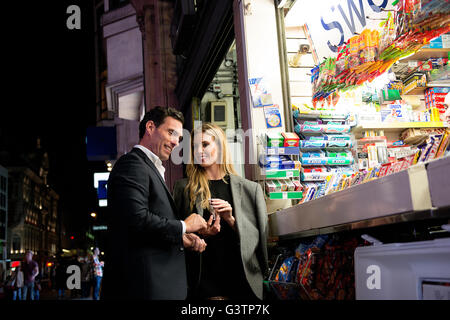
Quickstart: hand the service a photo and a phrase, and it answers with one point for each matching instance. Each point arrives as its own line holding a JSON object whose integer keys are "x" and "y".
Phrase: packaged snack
{"x": 284, "y": 186}
{"x": 405, "y": 165}
{"x": 313, "y": 154}
{"x": 270, "y": 186}
{"x": 290, "y": 139}
{"x": 277, "y": 185}
{"x": 433, "y": 150}
{"x": 444, "y": 144}
{"x": 287, "y": 270}
{"x": 313, "y": 144}
{"x": 275, "y": 139}
{"x": 384, "y": 169}
{"x": 290, "y": 185}
{"x": 297, "y": 185}
{"x": 339, "y": 144}
{"x": 426, "y": 149}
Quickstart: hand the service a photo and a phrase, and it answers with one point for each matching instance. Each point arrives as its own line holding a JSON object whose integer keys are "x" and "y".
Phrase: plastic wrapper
{"x": 324, "y": 270}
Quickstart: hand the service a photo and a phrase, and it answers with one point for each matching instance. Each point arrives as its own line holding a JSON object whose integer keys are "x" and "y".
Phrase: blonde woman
{"x": 235, "y": 259}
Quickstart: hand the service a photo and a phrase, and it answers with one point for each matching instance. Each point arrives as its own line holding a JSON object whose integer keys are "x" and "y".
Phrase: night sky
{"x": 50, "y": 93}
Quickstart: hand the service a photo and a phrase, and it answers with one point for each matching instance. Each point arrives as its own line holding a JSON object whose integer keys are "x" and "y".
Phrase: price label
{"x": 285, "y": 195}
{"x": 412, "y": 64}
{"x": 289, "y": 174}
{"x": 271, "y": 151}
{"x": 281, "y": 150}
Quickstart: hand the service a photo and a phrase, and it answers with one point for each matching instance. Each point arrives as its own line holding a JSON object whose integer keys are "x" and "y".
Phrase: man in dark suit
{"x": 146, "y": 240}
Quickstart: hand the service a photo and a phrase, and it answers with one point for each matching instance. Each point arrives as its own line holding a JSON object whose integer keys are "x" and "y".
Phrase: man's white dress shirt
{"x": 158, "y": 164}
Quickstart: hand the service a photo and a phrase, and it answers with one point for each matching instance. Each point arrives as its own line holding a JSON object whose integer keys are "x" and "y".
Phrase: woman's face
{"x": 205, "y": 150}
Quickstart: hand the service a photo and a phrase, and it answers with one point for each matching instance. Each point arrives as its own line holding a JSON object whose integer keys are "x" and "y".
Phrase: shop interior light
{"x": 93, "y": 215}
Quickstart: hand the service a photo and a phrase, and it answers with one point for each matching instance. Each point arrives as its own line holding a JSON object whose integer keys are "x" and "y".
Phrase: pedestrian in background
{"x": 98, "y": 273}
{"x": 30, "y": 270}
{"x": 15, "y": 284}
{"x": 60, "y": 279}
{"x": 86, "y": 276}
{"x": 234, "y": 263}
{"x": 37, "y": 285}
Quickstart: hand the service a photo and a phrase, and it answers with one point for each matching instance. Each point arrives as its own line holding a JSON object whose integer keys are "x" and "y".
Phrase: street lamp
{"x": 93, "y": 215}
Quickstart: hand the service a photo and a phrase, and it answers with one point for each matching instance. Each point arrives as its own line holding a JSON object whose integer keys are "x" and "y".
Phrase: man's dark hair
{"x": 158, "y": 115}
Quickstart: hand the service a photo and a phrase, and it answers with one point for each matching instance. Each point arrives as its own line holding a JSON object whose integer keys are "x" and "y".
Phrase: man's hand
{"x": 193, "y": 242}
{"x": 194, "y": 223}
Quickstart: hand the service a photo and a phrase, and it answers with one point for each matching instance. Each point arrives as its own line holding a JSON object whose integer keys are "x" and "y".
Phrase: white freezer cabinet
{"x": 403, "y": 271}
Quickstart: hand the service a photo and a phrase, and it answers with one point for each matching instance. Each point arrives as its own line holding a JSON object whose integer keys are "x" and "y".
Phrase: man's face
{"x": 164, "y": 138}
{"x": 28, "y": 257}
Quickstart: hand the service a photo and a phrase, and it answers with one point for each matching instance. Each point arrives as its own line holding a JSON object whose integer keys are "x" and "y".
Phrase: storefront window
{"x": 16, "y": 243}
{"x": 221, "y": 105}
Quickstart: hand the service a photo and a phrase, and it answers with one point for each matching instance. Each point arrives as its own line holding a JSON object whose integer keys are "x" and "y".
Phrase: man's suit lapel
{"x": 153, "y": 167}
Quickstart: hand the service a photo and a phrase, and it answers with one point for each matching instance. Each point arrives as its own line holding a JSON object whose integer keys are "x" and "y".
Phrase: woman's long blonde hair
{"x": 198, "y": 183}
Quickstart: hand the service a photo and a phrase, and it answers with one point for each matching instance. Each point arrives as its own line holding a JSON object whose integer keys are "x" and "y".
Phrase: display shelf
{"x": 289, "y": 151}
{"x": 395, "y": 126}
{"x": 402, "y": 196}
{"x": 427, "y": 53}
{"x": 285, "y": 195}
{"x": 314, "y": 114}
{"x": 280, "y": 174}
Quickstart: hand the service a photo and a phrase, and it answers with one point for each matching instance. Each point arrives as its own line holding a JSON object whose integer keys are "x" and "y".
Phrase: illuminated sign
{"x": 336, "y": 20}
{"x": 15, "y": 264}
{"x": 102, "y": 189}
{"x": 97, "y": 228}
{"x": 100, "y": 176}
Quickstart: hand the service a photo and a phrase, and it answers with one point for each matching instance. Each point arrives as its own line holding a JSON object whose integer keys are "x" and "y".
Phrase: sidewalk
{"x": 68, "y": 295}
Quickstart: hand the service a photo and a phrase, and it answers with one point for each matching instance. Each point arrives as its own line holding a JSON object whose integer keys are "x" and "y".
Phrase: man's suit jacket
{"x": 251, "y": 220}
{"x": 145, "y": 254}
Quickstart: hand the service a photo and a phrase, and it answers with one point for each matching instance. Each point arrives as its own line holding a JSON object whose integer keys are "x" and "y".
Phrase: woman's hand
{"x": 225, "y": 211}
{"x": 212, "y": 228}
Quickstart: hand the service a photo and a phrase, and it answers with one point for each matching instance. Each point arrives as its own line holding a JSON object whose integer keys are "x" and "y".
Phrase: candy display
{"x": 323, "y": 270}
{"x": 366, "y": 56}
{"x": 379, "y": 106}
{"x": 325, "y": 151}
{"x": 278, "y": 161}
